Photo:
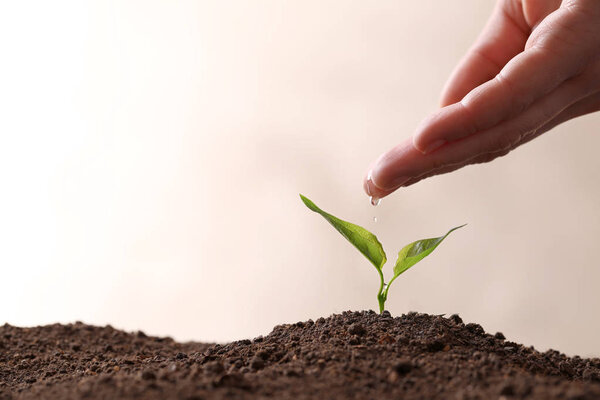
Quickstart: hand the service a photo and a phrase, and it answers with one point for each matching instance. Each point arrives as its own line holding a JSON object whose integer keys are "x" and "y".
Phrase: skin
{"x": 535, "y": 65}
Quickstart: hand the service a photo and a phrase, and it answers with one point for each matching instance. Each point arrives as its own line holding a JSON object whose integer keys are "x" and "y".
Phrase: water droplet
{"x": 374, "y": 219}
{"x": 374, "y": 201}
{"x": 369, "y": 181}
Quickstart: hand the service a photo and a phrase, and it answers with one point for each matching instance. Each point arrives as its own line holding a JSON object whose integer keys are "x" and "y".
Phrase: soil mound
{"x": 353, "y": 355}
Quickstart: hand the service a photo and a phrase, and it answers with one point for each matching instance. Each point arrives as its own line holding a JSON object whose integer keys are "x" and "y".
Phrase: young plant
{"x": 370, "y": 247}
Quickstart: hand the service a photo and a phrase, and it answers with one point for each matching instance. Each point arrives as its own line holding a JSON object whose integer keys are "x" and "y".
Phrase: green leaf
{"x": 361, "y": 238}
{"x": 416, "y": 251}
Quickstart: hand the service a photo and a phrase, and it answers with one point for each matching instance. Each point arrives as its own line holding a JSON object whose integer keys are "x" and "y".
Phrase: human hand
{"x": 535, "y": 65}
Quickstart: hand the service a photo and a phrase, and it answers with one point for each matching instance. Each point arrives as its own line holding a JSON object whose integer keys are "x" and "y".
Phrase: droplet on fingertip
{"x": 369, "y": 182}
{"x": 374, "y": 200}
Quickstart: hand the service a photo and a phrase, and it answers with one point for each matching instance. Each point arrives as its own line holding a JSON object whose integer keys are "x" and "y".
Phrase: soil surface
{"x": 355, "y": 355}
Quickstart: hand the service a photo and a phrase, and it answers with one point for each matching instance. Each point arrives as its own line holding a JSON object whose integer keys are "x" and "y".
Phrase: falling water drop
{"x": 374, "y": 201}
{"x": 374, "y": 219}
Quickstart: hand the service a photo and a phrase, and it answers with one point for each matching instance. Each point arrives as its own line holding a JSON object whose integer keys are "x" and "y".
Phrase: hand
{"x": 535, "y": 65}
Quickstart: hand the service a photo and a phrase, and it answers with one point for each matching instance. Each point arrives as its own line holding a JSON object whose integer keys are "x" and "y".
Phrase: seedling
{"x": 370, "y": 247}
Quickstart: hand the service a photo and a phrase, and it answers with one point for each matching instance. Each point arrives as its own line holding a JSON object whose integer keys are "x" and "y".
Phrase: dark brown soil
{"x": 356, "y": 355}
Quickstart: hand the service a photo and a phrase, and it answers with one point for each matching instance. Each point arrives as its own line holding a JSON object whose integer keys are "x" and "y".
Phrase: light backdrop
{"x": 152, "y": 153}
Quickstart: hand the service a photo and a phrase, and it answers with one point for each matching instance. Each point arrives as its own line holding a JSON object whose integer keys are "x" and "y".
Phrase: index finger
{"x": 526, "y": 78}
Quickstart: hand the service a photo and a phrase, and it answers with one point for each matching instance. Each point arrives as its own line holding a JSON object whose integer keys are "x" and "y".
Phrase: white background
{"x": 152, "y": 153}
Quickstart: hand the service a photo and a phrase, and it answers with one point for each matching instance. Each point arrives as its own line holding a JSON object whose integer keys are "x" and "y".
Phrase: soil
{"x": 355, "y": 355}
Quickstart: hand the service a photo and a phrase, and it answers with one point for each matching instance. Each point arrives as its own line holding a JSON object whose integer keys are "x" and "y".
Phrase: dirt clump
{"x": 353, "y": 355}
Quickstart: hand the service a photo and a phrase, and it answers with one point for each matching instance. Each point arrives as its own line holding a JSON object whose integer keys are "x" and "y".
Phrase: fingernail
{"x": 434, "y": 146}
{"x": 370, "y": 186}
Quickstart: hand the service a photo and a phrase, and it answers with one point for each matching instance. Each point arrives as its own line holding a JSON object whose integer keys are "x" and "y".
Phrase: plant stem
{"x": 381, "y": 300}
{"x": 381, "y": 295}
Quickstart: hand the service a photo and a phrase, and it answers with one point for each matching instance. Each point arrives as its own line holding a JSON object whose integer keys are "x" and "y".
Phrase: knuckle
{"x": 519, "y": 99}
{"x": 467, "y": 104}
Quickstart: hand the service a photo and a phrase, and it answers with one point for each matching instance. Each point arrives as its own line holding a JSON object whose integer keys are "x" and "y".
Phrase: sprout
{"x": 369, "y": 246}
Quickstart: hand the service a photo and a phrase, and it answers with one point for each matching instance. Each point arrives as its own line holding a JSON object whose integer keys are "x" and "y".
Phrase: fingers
{"x": 503, "y": 37}
{"x": 405, "y": 165}
{"x": 588, "y": 105}
{"x": 383, "y": 178}
{"x": 520, "y": 83}
{"x": 527, "y": 77}
{"x": 534, "y": 11}
{"x": 585, "y": 106}
{"x": 480, "y": 159}
{"x": 556, "y": 77}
